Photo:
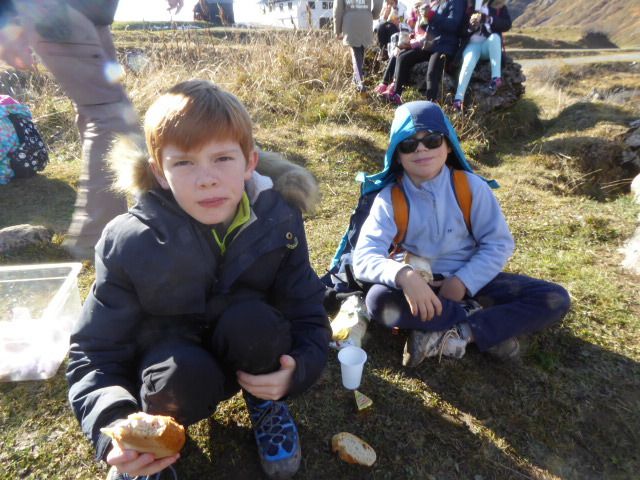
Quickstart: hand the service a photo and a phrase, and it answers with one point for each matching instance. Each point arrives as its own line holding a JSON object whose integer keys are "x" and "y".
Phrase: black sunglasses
{"x": 431, "y": 141}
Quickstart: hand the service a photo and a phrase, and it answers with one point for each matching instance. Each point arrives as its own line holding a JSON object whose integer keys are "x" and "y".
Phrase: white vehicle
{"x": 298, "y": 14}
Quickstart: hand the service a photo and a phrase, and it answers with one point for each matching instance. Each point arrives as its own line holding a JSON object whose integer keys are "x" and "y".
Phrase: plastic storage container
{"x": 39, "y": 305}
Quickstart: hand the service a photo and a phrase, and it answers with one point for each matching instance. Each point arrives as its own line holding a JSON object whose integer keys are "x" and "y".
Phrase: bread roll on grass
{"x": 157, "y": 434}
{"x": 352, "y": 449}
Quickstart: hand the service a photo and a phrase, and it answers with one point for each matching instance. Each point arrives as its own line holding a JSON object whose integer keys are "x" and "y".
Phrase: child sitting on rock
{"x": 482, "y": 39}
{"x": 465, "y": 260}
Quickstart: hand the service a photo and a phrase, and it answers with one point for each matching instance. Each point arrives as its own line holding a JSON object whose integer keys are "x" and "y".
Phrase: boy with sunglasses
{"x": 471, "y": 299}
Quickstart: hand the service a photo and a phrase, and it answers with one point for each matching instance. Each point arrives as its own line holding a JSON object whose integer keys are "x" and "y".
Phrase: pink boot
{"x": 381, "y": 89}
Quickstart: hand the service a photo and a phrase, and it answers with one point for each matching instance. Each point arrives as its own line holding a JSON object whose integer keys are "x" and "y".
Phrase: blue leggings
{"x": 490, "y": 49}
{"x": 512, "y": 304}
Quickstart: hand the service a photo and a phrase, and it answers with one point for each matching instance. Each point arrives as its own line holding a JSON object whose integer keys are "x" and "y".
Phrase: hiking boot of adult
{"x": 168, "y": 473}
{"x": 495, "y": 84}
{"x": 276, "y": 436}
{"x": 506, "y": 351}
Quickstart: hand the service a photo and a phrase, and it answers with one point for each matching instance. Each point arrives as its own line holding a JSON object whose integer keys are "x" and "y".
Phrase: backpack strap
{"x": 400, "y": 214}
{"x": 461, "y": 189}
{"x": 460, "y": 183}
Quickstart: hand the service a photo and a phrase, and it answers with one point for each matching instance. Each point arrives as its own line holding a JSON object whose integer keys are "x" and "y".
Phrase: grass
{"x": 569, "y": 410}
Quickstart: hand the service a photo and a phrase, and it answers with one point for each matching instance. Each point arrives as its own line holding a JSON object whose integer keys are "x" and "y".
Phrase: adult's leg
{"x": 434, "y": 75}
{"x": 492, "y": 48}
{"x": 514, "y": 305}
{"x": 81, "y": 57}
{"x": 470, "y": 58}
{"x": 389, "y": 307}
{"x": 404, "y": 63}
{"x": 182, "y": 379}
{"x": 357, "y": 59}
{"x": 251, "y": 336}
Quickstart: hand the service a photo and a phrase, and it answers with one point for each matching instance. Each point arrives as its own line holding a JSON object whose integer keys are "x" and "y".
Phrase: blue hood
{"x": 409, "y": 119}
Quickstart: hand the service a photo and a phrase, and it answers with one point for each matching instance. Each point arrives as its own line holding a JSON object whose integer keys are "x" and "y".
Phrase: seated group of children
{"x": 205, "y": 288}
{"x": 451, "y": 32}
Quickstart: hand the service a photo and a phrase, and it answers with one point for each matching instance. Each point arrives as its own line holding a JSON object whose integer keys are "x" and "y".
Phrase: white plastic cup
{"x": 352, "y": 361}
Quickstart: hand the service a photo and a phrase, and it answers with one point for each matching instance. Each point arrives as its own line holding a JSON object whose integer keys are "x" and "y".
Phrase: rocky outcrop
{"x": 477, "y": 95}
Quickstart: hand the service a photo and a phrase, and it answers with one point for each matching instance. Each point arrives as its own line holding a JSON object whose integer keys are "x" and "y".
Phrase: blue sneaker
{"x": 276, "y": 436}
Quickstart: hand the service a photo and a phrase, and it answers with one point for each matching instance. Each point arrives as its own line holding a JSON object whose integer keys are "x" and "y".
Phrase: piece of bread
{"x": 157, "y": 434}
{"x": 352, "y": 449}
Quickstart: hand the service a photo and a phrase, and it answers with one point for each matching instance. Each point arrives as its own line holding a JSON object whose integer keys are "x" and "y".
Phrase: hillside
{"x": 619, "y": 19}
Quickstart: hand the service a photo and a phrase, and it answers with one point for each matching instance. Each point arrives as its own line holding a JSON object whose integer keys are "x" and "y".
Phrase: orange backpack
{"x": 460, "y": 184}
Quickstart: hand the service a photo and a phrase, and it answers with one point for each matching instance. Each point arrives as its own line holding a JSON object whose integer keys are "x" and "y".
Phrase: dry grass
{"x": 570, "y": 410}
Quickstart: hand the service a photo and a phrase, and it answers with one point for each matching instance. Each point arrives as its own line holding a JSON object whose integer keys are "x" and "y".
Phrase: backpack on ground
{"x": 22, "y": 150}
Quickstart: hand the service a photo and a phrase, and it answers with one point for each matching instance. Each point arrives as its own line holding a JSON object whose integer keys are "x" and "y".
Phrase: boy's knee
{"x": 558, "y": 300}
{"x": 182, "y": 381}
{"x": 382, "y": 306}
{"x": 250, "y": 336}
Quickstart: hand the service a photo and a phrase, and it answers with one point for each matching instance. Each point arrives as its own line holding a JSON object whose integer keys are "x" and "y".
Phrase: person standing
{"x": 73, "y": 39}
{"x": 353, "y": 23}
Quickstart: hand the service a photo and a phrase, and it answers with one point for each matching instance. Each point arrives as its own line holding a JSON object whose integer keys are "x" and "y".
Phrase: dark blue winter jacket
{"x": 445, "y": 26}
{"x": 157, "y": 275}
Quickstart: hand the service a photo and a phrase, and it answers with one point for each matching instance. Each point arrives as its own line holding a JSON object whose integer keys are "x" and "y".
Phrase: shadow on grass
{"x": 37, "y": 200}
{"x": 584, "y": 115}
{"x": 571, "y": 409}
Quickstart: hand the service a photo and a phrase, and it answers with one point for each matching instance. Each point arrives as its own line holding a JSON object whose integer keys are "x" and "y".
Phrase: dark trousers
{"x": 384, "y": 34}
{"x": 187, "y": 376}
{"x": 399, "y": 69}
{"x": 357, "y": 59}
{"x": 512, "y": 304}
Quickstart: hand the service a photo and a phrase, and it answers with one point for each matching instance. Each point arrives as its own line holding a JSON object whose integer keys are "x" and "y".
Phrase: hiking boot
{"x": 380, "y": 89}
{"x": 168, "y": 473}
{"x": 457, "y": 106}
{"x": 276, "y": 435}
{"x": 421, "y": 345}
{"x": 393, "y": 98}
{"x": 506, "y": 351}
{"x": 496, "y": 83}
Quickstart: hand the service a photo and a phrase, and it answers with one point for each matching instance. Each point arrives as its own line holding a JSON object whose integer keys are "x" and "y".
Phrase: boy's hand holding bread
{"x": 144, "y": 444}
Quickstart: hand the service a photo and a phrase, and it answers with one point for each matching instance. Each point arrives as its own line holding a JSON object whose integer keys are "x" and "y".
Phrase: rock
{"x": 631, "y": 141}
{"x": 477, "y": 93}
{"x": 631, "y": 252}
{"x": 18, "y": 236}
{"x": 633, "y": 138}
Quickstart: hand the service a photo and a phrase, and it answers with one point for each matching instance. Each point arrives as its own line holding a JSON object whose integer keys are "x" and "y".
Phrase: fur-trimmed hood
{"x": 129, "y": 162}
